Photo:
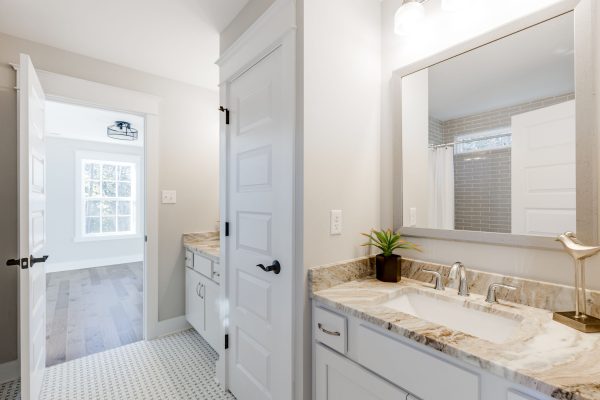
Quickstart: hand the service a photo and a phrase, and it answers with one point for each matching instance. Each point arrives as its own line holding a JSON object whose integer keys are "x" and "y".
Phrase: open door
{"x": 32, "y": 231}
{"x": 543, "y": 171}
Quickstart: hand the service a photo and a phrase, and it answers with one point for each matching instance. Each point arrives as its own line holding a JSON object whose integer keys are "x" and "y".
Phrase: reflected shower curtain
{"x": 441, "y": 187}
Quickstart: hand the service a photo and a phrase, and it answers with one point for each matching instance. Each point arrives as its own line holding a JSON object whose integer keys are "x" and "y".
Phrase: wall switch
{"x": 413, "y": 217}
{"x": 169, "y": 196}
{"x": 335, "y": 222}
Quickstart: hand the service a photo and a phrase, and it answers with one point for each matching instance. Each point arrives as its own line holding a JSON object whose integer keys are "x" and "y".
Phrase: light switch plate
{"x": 335, "y": 222}
{"x": 169, "y": 196}
{"x": 413, "y": 216}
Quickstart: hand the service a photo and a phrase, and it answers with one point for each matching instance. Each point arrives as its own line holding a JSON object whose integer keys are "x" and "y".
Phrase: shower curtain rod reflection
{"x": 435, "y": 146}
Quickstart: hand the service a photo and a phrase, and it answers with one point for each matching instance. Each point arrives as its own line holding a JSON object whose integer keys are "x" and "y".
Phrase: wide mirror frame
{"x": 586, "y": 130}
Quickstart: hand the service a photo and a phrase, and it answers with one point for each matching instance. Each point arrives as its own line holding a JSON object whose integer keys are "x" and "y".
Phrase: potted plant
{"x": 387, "y": 264}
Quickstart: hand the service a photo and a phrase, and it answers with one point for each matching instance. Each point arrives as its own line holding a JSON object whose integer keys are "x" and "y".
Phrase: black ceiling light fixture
{"x": 122, "y": 130}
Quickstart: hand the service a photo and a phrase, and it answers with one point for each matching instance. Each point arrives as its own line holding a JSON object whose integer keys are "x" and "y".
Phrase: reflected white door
{"x": 260, "y": 212}
{"x": 543, "y": 171}
{"x": 32, "y": 230}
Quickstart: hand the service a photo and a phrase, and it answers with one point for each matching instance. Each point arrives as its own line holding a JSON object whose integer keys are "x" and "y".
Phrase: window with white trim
{"x": 108, "y": 198}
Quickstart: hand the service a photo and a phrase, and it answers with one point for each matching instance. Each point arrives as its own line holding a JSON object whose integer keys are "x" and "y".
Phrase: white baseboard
{"x": 9, "y": 371}
{"x": 173, "y": 325}
{"x": 91, "y": 263}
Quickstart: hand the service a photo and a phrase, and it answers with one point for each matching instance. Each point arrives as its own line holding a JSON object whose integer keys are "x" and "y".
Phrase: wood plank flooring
{"x": 92, "y": 310}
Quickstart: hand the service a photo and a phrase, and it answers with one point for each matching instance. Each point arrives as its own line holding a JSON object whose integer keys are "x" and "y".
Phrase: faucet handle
{"x": 491, "y": 294}
{"x": 438, "y": 284}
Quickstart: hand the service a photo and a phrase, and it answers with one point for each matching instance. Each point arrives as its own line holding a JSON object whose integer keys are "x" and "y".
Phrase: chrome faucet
{"x": 437, "y": 284}
{"x": 459, "y": 271}
{"x": 491, "y": 294}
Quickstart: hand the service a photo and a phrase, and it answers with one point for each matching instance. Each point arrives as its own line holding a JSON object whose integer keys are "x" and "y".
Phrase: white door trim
{"x": 67, "y": 89}
{"x": 275, "y": 28}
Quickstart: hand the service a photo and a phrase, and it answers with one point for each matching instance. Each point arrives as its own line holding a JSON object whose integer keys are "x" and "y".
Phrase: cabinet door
{"x": 194, "y": 303}
{"x": 338, "y": 378}
{"x": 211, "y": 301}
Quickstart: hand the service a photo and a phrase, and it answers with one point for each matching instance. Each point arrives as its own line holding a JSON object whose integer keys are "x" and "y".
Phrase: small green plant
{"x": 387, "y": 241}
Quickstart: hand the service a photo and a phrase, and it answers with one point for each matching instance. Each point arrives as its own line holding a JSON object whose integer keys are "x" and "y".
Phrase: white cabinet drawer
{"x": 189, "y": 259}
{"x": 330, "y": 329}
{"x": 203, "y": 265}
{"x": 416, "y": 371}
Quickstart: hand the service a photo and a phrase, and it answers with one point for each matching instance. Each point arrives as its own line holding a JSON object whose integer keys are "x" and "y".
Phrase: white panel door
{"x": 260, "y": 212}
{"x": 543, "y": 171}
{"x": 338, "y": 378}
{"x": 32, "y": 230}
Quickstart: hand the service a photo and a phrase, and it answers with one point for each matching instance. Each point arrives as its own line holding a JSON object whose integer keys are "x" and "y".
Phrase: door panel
{"x": 260, "y": 209}
{"x": 32, "y": 229}
{"x": 339, "y": 378}
{"x": 543, "y": 171}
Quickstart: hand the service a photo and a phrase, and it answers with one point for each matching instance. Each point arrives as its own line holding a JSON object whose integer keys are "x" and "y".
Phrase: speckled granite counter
{"x": 204, "y": 243}
{"x": 543, "y": 355}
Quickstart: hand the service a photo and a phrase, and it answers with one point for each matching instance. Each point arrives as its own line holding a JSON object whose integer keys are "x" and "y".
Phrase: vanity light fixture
{"x": 454, "y": 5}
{"x": 408, "y": 16}
{"x": 122, "y": 130}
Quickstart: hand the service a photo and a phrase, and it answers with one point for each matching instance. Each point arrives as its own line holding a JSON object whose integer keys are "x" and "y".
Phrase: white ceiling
{"x": 70, "y": 121}
{"x": 532, "y": 64}
{"x": 177, "y": 39}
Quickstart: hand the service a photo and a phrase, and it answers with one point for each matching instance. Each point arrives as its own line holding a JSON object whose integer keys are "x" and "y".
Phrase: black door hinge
{"x": 226, "y": 342}
{"x": 226, "y": 228}
{"x": 226, "y": 111}
{"x": 145, "y": 238}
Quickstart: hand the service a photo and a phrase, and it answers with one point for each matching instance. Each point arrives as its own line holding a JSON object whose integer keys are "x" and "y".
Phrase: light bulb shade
{"x": 408, "y": 17}
{"x": 454, "y": 5}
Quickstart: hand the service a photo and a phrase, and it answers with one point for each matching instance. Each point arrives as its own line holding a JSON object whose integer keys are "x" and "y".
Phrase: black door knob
{"x": 33, "y": 260}
{"x": 275, "y": 267}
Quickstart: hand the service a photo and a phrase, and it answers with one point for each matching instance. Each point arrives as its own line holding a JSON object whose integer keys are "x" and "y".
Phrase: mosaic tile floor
{"x": 179, "y": 366}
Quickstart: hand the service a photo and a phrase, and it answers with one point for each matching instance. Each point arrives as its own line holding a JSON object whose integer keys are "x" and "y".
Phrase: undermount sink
{"x": 455, "y": 315}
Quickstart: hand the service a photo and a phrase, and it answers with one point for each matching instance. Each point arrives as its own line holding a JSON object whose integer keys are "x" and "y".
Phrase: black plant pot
{"x": 387, "y": 268}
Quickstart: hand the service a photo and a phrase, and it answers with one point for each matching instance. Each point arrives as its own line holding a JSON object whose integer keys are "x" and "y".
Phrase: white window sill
{"x": 106, "y": 237}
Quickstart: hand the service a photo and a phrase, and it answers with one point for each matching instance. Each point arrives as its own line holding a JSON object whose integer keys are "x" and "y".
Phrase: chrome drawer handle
{"x": 320, "y": 326}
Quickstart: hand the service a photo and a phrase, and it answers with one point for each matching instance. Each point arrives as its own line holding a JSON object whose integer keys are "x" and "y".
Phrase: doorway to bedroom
{"x": 95, "y": 230}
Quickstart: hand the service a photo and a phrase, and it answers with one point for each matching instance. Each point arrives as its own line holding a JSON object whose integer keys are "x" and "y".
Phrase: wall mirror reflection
{"x": 488, "y": 137}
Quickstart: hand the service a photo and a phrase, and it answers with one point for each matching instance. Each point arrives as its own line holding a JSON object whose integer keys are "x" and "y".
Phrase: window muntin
{"x": 108, "y": 198}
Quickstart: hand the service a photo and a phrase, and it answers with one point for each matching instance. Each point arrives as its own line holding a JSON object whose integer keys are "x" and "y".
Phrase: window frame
{"x": 136, "y": 206}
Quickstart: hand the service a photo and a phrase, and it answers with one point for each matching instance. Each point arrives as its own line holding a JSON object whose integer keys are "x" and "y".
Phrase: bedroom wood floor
{"x": 92, "y": 310}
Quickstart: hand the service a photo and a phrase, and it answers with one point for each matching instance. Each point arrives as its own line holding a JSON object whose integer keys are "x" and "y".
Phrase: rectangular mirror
{"x": 488, "y": 139}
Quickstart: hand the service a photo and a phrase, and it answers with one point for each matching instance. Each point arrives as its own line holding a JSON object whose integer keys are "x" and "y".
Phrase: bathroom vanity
{"x": 376, "y": 340}
{"x": 202, "y": 279}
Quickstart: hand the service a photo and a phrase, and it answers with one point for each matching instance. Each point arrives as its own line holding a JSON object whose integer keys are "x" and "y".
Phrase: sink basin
{"x": 455, "y": 315}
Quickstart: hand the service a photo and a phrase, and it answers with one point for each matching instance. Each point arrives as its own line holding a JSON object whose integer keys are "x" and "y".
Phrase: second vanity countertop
{"x": 544, "y": 355}
{"x": 206, "y": 244}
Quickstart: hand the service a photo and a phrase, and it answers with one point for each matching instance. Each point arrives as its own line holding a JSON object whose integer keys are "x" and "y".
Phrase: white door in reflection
{"x": 543, "y": 171}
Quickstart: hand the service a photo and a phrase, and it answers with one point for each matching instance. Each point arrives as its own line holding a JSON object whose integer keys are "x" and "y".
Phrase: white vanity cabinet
{"x": 355, "y": 359}
{"x": 338, "y": 378}
{"x": 202, "y": 297}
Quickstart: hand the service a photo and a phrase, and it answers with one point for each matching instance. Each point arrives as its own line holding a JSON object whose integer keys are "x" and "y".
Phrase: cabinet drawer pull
{"x": 320, "y": 326}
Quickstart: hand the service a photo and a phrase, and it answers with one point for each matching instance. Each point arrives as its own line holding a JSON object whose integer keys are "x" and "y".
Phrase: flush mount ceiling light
{"x": 122, "y": 130}
{"x": 454, "y": 5}
{"x": 408, "y": 16}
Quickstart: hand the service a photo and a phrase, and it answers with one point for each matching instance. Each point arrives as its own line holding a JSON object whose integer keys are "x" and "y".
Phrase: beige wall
{"x": 245, "y": 18}
{"x": 188, "y": 163}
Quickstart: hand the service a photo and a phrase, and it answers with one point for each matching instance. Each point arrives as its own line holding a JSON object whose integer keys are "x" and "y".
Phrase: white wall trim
{"x": 78, "y": 91}
{"x": 171, "y": 326}
{"x": 9, "y": 371}
{"x": 91, "y": 263}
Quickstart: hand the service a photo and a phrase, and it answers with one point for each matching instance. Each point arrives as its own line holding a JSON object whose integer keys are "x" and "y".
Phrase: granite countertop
{"x": 206, "y": 244}
{"x": 543, "y": 355}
